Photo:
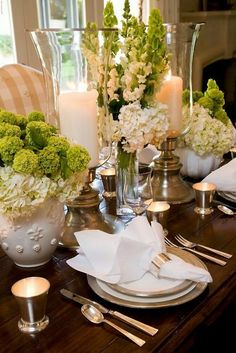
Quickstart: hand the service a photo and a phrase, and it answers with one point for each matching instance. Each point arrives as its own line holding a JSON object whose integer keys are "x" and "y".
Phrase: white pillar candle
{"x": 78, "y": 120}
{"x": 171, "y": 95}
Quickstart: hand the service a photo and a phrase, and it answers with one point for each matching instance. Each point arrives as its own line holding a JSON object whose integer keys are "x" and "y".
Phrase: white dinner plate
{"x": 195, "y": 289}
{"x": 227, "y": 195}
{"x": 148, "y": 286}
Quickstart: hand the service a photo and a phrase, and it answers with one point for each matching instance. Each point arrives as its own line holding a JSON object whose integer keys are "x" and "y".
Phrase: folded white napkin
{"x": 146, "y": 155}
{"x": 127, "y": 256}
{"x": 224, "y": 177}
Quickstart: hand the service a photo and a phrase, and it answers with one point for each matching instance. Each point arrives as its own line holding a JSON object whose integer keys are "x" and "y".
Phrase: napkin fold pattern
{"x": 147, "y": 154}
{"x": 127, "y": 256}
{"x": 224, "y": 177}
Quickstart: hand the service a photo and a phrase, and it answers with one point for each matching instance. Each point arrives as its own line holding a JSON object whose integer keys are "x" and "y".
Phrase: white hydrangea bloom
{"x": 21, "y": 194}
{"x": 138, "y": 127}
{"x": 207, "y": 135}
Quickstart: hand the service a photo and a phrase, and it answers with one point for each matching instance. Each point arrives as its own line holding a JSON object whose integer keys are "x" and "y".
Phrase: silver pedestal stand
{"x": 167, "y": 183}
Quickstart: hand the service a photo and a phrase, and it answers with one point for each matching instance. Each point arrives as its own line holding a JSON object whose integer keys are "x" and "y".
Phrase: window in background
{"x": 61, "y": 13}
{"x": 134, "y": 8}
{"x": 7, "y": 49}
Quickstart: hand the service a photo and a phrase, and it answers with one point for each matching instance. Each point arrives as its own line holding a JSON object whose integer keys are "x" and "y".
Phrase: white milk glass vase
{"x": 31, "y": 241}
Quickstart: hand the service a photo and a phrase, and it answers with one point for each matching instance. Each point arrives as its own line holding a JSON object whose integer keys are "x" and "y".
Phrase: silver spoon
{"x": 226, "y": 210}
{"x": 94, "y": 315}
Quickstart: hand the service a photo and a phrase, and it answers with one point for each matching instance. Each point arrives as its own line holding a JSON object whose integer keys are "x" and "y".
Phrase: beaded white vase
{"x": 31, "y": 241}
{"x": 196, "y": 166}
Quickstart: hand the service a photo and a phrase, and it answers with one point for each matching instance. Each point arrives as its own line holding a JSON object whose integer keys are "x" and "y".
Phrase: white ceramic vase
{"x": 196, "y": 166}
{"x": 31, "y": 242}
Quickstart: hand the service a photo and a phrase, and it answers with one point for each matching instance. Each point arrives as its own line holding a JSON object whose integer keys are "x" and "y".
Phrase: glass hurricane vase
{"x": 72, "y": 103}
{"x": 126, "y": 169}
{"x": 180, "y": 44}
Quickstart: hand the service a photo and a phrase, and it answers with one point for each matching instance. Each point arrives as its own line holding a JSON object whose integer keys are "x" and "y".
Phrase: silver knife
{"x": 82, "y": 300}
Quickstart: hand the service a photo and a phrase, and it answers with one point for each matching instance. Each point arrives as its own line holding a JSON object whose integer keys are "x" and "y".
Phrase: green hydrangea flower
{"x": 7, "y": 129}
{"x": 25, "y": 162}
{"x": 21, "y": 121}
{"x": 7, "y": 117}
{"x": 35, "y": 166}
{"x": 60, "y": 143}
{"x": 77, "y": 158}
{"x": 197, "y": 95}
{"x": 222, "y": 116}
{"x": 36, "y": 116}
{"x": 38, "y": 133}
{"x": 206, "y": 102}
{"x": 49, "y": 161}
{"x": 9, "y": 146}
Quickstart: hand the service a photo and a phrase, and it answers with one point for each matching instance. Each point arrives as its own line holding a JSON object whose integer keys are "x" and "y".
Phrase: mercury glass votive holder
{"x": 108, "y": 177}
{"x": 31, "y": 295}
{"x": 204, "y": 193}
{"x": 158, "y": 211}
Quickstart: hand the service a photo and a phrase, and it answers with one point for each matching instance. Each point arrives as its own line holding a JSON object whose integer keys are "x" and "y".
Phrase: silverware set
{"x": 188, "y": 245}
{"x": 94, "y": 311}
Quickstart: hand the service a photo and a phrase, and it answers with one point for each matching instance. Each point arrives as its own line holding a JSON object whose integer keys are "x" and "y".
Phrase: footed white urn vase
{"x": 196, "y": 166}
{"x": 31, "y": 241}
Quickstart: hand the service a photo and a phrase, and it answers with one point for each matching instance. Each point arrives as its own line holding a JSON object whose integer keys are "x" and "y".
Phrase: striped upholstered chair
{"x": 22, "y": 89}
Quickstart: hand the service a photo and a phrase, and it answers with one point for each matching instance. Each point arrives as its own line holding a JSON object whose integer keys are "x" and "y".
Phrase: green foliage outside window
{"x": 6, "y": 47}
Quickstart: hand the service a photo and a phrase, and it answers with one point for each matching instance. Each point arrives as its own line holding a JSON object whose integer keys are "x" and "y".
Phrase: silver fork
{"x": 208, "y": 257}
{"x": 190, "y": 244}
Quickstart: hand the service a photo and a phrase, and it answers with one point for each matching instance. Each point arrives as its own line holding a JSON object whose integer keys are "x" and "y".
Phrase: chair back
{"x": 22, "y": 89}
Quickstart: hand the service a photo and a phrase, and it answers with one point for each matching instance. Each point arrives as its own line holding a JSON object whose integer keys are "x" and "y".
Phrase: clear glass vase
{"x": 126, "y": 168}
{"x": 74, "y": 103}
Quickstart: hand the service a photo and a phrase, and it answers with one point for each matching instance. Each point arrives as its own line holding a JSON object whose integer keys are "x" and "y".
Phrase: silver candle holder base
{"x": 83, "y": 213}
{"x": 167, "y": 183}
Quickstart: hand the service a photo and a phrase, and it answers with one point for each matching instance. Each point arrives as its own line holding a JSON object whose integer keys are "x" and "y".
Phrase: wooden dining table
{"x": 201, "y": 324}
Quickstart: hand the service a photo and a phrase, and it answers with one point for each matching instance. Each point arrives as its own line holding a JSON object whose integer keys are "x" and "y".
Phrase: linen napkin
{"x": 224, "y": 177}
{"x": 146, "y": 155}
{"x": 127, "y": 256}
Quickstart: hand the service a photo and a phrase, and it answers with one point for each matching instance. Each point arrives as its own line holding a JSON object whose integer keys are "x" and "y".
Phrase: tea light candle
{"x": 108, "y": 171}
{"x": 204, "y": 187}
{"x": 158, "y": 206}
{"x": 78, "y": 120}
{"x": 158, "y": 211}
{"x": 30, "y": 287}
{"x": 171, "y": 95}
